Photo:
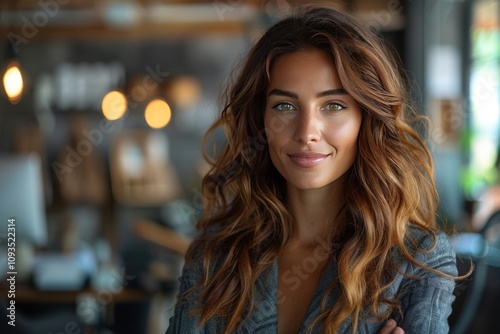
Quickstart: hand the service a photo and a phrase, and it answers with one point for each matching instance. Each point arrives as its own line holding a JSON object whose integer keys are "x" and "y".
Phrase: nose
{"x": 308, "y": 127}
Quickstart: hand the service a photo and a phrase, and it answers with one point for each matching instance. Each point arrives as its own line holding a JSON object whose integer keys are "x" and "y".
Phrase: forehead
{"x": 309, "y": 68}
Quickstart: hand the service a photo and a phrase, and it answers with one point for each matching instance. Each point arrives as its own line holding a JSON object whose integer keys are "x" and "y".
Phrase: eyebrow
{"x": 280, "y": 92}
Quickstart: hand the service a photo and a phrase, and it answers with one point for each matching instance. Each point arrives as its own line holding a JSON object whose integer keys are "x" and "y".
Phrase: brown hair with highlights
{"x": 245, "y": 222}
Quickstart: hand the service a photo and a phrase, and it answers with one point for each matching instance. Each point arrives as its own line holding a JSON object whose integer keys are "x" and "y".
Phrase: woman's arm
{"x": 184, "y": 321}
{"x": 391, "y": 327}
{"x": 426, "y": 302}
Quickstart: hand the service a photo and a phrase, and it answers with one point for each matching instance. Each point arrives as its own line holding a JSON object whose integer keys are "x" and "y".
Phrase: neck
{"x": 314, "y": 211}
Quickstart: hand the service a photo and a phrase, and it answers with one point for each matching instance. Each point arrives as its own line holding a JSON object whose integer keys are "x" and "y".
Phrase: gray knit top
{"x": 425, "y": 302}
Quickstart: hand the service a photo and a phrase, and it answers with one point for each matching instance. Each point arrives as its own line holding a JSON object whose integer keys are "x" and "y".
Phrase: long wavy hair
{"x": 245, "y": 222}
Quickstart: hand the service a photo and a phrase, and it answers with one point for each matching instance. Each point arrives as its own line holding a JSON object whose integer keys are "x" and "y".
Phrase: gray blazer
{"x": 426, "y": 302}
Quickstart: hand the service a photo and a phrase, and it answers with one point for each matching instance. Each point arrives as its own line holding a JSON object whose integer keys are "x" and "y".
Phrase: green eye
{"x": 284, "y": 107}
{"x": 334, "y": 107}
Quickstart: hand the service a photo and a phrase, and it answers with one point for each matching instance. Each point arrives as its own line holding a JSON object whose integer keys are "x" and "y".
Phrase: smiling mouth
{"x": 307, "y": 159}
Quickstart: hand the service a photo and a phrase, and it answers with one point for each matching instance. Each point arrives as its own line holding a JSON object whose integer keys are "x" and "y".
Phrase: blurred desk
{"x": 25, "y": 294}
{"x": 88, "y": 309}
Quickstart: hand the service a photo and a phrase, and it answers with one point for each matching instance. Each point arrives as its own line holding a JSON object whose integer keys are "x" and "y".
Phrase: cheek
{"x": 267, "y": 127}
{"x": 352, "y": 137}
{"x": 273, "y": 151}
{"x": 270, "y": 133}
{"x": 273, "y": 126}
{"x": 274, "y": 141}
{"x": 352, "y": 142}
{"x": 276, "y": 131}
{"x": 345, "y": 135}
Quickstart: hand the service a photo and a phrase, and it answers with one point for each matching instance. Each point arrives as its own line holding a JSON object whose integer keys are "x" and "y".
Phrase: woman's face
{"x": 311, "y": 123}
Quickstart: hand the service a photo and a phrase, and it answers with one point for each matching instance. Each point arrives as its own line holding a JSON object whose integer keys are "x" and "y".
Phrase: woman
{"x": 319, "y": 211}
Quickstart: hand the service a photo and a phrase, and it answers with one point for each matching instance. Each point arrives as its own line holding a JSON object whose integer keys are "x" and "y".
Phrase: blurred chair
{"x": 483, "y": 249}
{"x": 161, "y": 236}
{"x": 163, "y": 299}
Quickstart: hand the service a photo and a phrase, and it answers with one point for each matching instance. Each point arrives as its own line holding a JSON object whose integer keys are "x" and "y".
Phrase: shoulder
{"x": 431, "y": 249}
{"x": 195, "y": 260}
{"x": 425, "y": 283}
{"x": 425, "y": 240}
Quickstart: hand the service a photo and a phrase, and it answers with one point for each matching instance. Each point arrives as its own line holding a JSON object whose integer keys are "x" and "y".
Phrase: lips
{"x": 307, "y": 159}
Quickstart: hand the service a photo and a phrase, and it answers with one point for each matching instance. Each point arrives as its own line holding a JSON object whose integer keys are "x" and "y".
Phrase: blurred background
{"x": 102, "y": 108}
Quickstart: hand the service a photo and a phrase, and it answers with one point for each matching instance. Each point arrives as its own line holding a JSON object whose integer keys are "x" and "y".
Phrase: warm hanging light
{"x": 13, "y": 82}
{"x": 12, "y": 79}
{"x": 114, "y": 105}
{"x": 184, "y": 91}
{"x": 157, "y": 114}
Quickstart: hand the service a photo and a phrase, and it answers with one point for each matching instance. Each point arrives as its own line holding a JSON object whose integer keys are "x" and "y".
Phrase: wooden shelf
{"x": 100, "y": 32}
{"x": 25, "y": 294}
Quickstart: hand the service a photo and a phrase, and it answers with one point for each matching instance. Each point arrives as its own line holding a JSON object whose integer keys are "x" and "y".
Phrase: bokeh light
{"x": 114, "y": 105}
{"x": 184, "y": 91}
{"x": 157, "y": 114}
{"x": 13, "y": 83}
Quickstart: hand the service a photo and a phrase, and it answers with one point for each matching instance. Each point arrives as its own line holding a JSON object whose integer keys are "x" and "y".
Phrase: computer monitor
{"x": 22, "y": 198}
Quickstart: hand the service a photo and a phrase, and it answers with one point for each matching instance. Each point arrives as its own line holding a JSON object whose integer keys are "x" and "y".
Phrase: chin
{"x": 309, "y": 185}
